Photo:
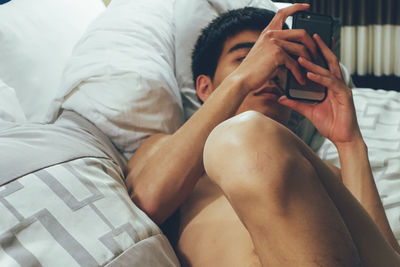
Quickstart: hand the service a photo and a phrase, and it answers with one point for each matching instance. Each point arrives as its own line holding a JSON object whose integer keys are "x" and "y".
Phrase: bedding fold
{"x": 28, "y": 147}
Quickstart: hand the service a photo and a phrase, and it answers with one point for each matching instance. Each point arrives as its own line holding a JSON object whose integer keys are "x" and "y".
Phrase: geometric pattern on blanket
{"x": 378, "y": 115}
{"x": 76, "y": 213}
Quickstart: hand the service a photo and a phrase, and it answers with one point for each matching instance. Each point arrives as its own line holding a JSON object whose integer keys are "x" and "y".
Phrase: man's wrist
{"x": 354, "y": 165}
{"x": 355, "y": 145}
{"x": 349, "y": 148}
{"x": 240, "y": 81}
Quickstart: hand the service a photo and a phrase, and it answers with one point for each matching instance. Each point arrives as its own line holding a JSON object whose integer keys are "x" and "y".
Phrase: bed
{"x": 121, "y": 79}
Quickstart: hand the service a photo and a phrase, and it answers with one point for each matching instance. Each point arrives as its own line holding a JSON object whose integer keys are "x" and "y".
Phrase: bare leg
{"x": 276, "y": 190}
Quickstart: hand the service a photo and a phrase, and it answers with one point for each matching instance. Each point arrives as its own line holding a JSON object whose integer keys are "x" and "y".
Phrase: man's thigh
{"x": 211, "y": 233}
{"x": 365, "y": 234}
{"x": 262, "y": 134}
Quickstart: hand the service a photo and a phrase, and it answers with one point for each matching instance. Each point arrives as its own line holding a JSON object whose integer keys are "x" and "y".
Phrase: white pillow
{"x": 36, "y": 39}
{"x": 121, "y": 73}
{"x": 10, "y": 109}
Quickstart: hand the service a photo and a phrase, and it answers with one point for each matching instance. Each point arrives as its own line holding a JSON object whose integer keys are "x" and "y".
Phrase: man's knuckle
{"x": 303, "y": 33}
{"x": 274, "y": 40}
{"x": 278, "y": 51}
{"x": 330, "y": 81}
{"x": 269, "y": 34}
{"x": 280, "y": 13}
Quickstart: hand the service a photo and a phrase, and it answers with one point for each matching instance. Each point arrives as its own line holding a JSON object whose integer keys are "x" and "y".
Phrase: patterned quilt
{"x": 72, "y": 208}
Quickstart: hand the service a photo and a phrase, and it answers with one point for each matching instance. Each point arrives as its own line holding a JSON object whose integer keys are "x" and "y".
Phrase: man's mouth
{"x": 273, "y": 90}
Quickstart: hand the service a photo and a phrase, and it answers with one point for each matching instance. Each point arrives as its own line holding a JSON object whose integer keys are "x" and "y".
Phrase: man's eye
{"x": 240, "y": 59}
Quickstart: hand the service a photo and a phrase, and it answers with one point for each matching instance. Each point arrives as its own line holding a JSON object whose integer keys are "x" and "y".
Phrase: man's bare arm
{"x": 357, "y": 177}
{"x": 165, "y": 169}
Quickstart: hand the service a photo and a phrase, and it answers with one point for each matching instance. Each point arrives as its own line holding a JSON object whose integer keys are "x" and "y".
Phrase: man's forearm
{"x": 357, "y": 177}
{"x": 171, "y": 172}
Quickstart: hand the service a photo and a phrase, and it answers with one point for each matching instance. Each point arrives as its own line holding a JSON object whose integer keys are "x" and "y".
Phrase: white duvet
{"x": 10, "y": 108}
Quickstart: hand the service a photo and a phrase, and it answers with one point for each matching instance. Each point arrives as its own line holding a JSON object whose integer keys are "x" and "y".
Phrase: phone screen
{"x": 312, "y": 23}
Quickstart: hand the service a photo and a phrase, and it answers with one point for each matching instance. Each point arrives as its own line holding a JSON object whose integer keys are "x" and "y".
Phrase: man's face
{"x": 263, "y": 99}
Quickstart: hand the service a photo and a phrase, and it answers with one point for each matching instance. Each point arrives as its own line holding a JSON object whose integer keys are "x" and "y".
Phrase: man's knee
{"x": 248, "y": 146}
{"x": 245, "y": 131}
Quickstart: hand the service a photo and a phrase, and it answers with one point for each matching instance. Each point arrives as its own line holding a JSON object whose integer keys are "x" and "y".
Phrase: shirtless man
{"x": 250, "y": 192}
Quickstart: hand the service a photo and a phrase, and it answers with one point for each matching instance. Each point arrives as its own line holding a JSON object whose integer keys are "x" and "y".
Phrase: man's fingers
{"x": 320, "y": 79}
{"x": 306, "y": 39}
{"x": 282, "y": 14}
{"x": 293, "y": 48}
{"x": 297, "y": 35}
{"x": 310, "y": 66}
{"x": 301, "y": 107}
{"x": 330, "y": 57}
{"x": 294, "y": 67}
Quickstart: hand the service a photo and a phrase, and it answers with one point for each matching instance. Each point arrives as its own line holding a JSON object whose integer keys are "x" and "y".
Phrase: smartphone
{"x": 312, "y": 23}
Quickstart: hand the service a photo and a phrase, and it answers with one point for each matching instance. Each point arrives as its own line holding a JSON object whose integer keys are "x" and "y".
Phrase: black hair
{"x": 210, "y": 43}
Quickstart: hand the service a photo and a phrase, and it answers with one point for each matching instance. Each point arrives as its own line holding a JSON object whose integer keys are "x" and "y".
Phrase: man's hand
{"x": 335, "y": 118}
{"x": 272, "y": 49}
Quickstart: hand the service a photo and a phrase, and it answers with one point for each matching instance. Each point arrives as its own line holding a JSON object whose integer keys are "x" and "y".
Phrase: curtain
{"x": 369, "y": 36}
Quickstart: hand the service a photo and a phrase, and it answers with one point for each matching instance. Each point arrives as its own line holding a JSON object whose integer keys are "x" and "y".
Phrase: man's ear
{"x": 204, "y": 87}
